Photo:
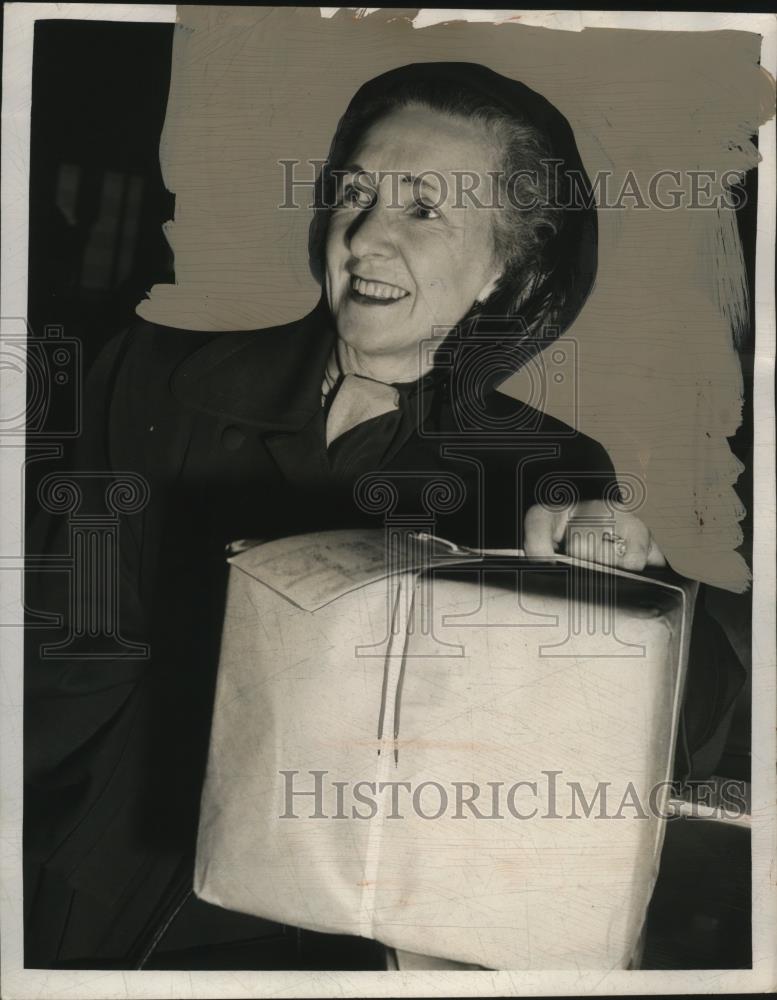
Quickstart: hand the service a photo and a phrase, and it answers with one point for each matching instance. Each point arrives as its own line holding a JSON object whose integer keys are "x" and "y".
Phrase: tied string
{"x": 350, "y": 399}
{"x": 366, "y": 419}
{"x": 357, "y": 399}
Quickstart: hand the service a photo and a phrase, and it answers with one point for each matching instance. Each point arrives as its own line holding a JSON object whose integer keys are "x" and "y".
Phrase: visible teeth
{"x": 376, "y": 289}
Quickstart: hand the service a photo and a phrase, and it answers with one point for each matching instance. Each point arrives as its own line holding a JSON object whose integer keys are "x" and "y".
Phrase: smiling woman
{"x": 417, "y": 253}
{"x": 476, "y": 143}
{"x": 452, "y": 198}
{"x": 448, "y": 258}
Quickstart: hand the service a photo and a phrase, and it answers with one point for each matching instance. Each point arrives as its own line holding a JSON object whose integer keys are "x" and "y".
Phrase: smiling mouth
{"x": 375, "y": 292}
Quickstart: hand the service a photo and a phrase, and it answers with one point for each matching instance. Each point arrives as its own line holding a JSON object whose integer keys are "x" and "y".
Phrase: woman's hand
{"x": 591, "y": 531}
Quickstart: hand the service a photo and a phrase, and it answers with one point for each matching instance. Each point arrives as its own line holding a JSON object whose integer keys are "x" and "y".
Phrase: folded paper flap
{"x": 315, "y": 569}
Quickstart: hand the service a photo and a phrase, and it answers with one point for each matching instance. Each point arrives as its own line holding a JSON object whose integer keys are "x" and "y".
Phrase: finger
{"x": 635, "y": 558}
{"x": 584, "y": 541}
{"x": 539, "y": 532}
{"x": 584, "y": 530}
{"x": 637, "y": 539}
{"x": 655, "y": 557}
{"x": 622, "y": 542}
{"x": 587, "y": 532}
{"x": 560, "y": 521}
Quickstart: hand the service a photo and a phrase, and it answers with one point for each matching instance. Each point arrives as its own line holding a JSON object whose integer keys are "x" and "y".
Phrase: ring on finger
{"x": 618, "y": 541}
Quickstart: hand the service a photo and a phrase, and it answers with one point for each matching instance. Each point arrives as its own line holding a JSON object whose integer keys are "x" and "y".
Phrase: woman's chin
{"x": 375, "y": 338}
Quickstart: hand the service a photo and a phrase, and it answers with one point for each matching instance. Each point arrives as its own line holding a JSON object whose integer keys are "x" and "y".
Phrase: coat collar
{"x": 269, "y": 379}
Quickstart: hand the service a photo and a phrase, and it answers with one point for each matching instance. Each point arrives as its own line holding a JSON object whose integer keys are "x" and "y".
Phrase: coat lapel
{"x": 265, "y": 379}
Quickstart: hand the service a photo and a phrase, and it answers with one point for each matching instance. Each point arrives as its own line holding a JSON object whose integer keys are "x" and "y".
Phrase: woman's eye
{"x": 423, "y": 211}
{"x": 355, "y": 197}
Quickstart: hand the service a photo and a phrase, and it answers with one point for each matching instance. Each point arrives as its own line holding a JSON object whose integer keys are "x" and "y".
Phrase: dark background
{"x": 97, "y": 205}
{"x": 97, "y": 200}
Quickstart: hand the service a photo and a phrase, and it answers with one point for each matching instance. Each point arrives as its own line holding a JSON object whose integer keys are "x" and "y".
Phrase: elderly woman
{"x": 430, "y": 300}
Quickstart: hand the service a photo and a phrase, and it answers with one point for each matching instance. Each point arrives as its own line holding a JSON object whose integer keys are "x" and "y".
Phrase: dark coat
{"x": 228, "y": 431}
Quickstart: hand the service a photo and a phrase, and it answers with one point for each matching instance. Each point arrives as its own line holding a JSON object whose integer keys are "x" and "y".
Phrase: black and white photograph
{"x": 387, "y": 547}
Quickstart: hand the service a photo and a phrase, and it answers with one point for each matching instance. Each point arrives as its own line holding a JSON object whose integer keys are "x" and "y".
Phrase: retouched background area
{"x": 657, "y": 378}
{"x": 251, "y": 86}
{"x": 98, "y": 204}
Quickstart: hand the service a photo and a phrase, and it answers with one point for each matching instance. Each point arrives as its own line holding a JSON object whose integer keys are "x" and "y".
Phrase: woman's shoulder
{"x": 159, "y": 355}
{"x": 151, "y": 381}
{"x": 520, "y": 417}
{"x": 152, "y": 344}
{"x": 527, "y": 423}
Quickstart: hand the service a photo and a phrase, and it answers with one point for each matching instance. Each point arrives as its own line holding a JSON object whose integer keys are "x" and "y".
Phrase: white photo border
{"x": 18, "y": 982}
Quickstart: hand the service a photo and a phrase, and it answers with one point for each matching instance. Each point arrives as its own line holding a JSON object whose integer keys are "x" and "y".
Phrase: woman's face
{"x": 419, "y": 257}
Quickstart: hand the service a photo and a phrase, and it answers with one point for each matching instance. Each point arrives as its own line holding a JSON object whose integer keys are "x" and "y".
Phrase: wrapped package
{"x": 457, "y": 753}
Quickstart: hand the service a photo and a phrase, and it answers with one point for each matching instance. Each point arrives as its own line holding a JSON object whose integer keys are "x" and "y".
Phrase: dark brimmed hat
{"x": 567, "y": 266}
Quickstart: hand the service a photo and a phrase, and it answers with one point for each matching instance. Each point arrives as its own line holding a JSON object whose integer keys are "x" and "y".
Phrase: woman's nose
{"x": 369, "y": 235}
